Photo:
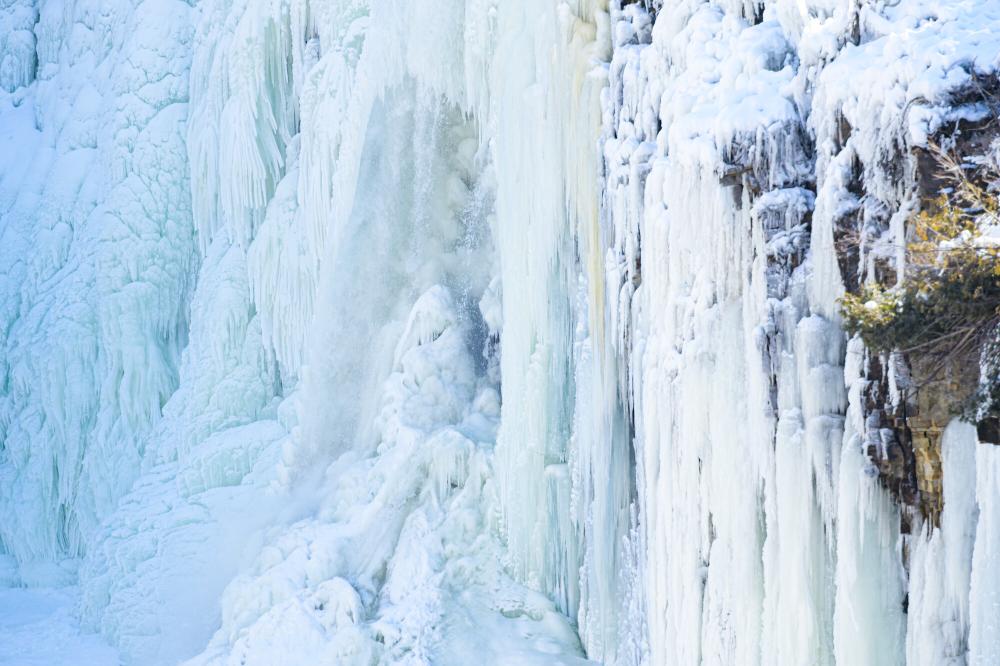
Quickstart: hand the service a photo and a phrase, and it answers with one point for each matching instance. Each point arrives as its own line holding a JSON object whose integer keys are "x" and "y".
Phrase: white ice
{"x": 38, "y": 627}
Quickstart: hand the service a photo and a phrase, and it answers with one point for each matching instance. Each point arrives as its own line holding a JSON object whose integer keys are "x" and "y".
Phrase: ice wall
{"x": 354, "y": 222}
{"x": 457, "y": 331}
{"x": 741, "y": 140}
{"x": 98, "y": 258}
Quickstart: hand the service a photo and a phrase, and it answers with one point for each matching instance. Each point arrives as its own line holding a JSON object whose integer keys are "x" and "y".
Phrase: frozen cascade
{"x": 98, "y": 261}
{"x": 737, "y": 136}
{"x": 477, "y": 331}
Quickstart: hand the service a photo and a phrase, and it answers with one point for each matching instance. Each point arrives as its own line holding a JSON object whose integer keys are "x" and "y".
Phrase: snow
{"x": 38, "y": 627}
{"x": 457, "y": 331}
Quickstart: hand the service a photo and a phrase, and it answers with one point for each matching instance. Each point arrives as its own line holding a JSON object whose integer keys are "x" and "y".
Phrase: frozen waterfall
{"x": 456, "y": 332}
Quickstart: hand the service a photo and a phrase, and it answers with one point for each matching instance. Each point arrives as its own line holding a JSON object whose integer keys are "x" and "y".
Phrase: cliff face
{"x": 344, "y": 331}
{"x": 762, "y": 159}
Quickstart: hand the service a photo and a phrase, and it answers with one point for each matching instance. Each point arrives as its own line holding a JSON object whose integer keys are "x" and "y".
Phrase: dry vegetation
{"x": 946, "y": 308}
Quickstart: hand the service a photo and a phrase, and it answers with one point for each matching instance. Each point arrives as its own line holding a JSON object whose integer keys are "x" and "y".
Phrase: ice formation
{"x": 474, "y": 331}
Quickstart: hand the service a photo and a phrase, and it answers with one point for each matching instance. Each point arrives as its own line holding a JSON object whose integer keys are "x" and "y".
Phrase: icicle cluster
{"x": 740, "y": 139}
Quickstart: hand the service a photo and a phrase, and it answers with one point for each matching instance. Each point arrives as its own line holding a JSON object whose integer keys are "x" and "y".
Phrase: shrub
{"x": 946, "y": 307}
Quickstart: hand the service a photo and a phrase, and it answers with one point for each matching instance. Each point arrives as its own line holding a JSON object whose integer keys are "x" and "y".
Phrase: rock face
{"x": 988, "y": 431}
{"x": 911, "y": 397}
